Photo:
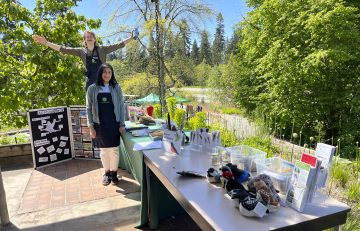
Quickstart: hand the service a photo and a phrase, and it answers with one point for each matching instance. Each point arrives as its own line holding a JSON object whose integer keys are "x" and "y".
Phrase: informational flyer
{"x": 50, "y": 134}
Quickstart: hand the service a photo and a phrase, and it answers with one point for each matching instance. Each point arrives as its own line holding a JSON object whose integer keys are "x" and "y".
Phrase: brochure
{"x": 325, "y": 153}
{"x": 303, "y": 181}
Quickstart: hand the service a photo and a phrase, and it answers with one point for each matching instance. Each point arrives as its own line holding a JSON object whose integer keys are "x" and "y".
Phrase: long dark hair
{"x": 100, "y": 81}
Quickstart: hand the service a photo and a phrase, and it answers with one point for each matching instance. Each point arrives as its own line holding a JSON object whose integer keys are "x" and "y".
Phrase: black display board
{"x": 83, "y": 147}
{"x": 50, "y": 135}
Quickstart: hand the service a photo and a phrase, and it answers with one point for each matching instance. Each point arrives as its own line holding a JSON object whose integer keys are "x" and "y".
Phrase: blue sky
{"x": 233, "y": 12}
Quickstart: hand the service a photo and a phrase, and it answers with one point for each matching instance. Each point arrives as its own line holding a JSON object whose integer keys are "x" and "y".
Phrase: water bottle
{"x": 136, "y": 33}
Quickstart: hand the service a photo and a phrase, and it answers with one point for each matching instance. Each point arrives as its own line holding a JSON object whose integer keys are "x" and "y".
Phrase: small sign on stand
{"x": 172, "y": 141}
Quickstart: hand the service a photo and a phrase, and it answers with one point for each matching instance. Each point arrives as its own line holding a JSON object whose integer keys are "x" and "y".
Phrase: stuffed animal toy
{"x": 213, "y": 175}
{"x": 264, "y": 193}
{"x": 239, "y": 174}
{"x": 267, "y": 180}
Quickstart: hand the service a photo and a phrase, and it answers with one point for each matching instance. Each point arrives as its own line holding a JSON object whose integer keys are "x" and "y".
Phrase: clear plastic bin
{"x": 243, "y": 156}
{"x": 278, "y": 170}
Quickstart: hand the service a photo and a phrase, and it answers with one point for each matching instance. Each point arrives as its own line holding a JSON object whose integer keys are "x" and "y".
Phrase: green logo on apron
{"x": 104, "y": 99}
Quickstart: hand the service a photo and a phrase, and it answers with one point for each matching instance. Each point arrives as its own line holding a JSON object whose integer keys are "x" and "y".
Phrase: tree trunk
{"x": 4, "y": 215}
{"x": 159, "y": 57}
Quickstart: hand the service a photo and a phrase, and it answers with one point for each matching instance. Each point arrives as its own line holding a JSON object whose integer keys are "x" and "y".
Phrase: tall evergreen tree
{"x": 184, "y": 37}
{"x": 195, "y": 53}
{"x": 231, "y": 45}
{"x": 169, "y": 46}
{"x": 205, "y": 49}
{"x": 219, "y": 41}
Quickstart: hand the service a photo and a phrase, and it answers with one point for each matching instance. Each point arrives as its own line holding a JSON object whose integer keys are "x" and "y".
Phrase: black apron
{"x": 107, "y": 132}
{"x": 93, "y": 63}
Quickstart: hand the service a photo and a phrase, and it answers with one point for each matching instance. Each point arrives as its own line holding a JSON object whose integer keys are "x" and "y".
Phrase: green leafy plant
{"x": 353, "y": 191}
{"x": 19, "y": 138}
{"x": 232, "y": 111}
{"x": 6, "y": 140}
{"x": 179, "y": 113}
{"x": 22, "y": 138}
{"x": 262, "y": 143}
{"x": 227, "y": 137}
{"x": 157, "y": 111}
{"x": 353, "y": 219}
{"x": 198, "y": 121}
{"x": 340, "y": 173}
{"x": 171, "y": 106}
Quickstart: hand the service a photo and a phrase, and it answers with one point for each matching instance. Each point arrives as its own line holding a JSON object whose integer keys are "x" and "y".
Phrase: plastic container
{"x": 278, "y": 170}
{"x": 243, "y": 156}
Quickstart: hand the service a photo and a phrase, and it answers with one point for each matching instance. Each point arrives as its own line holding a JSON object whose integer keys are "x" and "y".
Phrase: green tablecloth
{"x": 161, "y": 203}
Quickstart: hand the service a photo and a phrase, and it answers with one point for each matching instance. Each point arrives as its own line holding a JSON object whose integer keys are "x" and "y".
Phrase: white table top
{"x": 209, "y": 205}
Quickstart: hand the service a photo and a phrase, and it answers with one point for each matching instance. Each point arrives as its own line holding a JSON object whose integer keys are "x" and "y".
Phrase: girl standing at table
{"x": 92, "y": 54}
{"x": 105, "y": 114}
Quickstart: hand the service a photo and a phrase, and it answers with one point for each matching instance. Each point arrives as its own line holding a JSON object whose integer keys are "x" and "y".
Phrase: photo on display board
{"x": 75, "y": 113}
{"x": 79, "y": 153}
{"x": 85, "y": 130}
{"x": 77, "y": 138}
{"x": 86, "y": 137}
{"x": 83, "y": 122}
{"x": 87, "y": 146}
{"x": 78, "y": 145}
{"x": 88, "y": 154}
{"x": 82, "y": 114}
{"x": 76, "y": 129}
{"x": 75, "y": 121}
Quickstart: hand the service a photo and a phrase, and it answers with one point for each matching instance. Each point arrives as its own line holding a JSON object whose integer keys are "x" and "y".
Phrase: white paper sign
{"x": 41, "y": 150}
{"x": 64, "y": 138}
{"x": 59, "y": 150}
{"x": 172, "y": 141}
{"x": 66, "y": 151}
{"x": 62, "y": 144}
{"x": 53, "y": 157}
{"x": 38, "y": 143}
{"x": 43, "y": 159}
{"x": 50, "y": 148}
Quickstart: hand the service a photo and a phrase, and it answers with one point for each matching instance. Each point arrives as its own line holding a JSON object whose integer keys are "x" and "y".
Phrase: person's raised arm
{"x": 114, "y": 47}
{"x": 42, "y": 40}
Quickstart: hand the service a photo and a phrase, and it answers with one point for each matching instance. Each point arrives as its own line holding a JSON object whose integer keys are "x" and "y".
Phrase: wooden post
{"x": 4, "y": 215}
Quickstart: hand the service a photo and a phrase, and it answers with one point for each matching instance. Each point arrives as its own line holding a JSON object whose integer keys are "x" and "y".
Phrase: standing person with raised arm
{"x": 92, "y": 54}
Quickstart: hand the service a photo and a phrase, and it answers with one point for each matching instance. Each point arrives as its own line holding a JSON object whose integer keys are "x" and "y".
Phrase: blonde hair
{"x": 89, "y": 32}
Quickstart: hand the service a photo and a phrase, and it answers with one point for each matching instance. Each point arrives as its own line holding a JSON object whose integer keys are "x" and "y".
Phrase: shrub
{"x": 340, "y": 173}
{"x": 227, "y": 137}
{"x": 157, "y": 111}
{"x": 198, "y": 121}
{"x": 22, "y": 138}
{"x": 5, "y": 140}
{"x": 171, "y": 106}
{"x": 353, "y": 191}
{"x": 232, "y": 111}
{"x": 19, "y": 138}
{"x": 262, "y": 143}
{"x": 179, "y": 113}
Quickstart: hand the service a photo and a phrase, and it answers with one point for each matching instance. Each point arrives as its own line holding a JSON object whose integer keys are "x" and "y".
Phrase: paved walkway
{"x": 70, "y": 196}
